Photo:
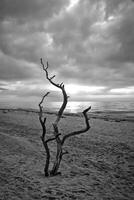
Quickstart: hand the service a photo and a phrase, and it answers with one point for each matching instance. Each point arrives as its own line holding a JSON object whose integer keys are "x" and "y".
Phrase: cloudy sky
{"x": 89, "y": 45}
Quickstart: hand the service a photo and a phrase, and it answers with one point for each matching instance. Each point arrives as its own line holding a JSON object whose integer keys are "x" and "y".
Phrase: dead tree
{"x": 60, "y": 140}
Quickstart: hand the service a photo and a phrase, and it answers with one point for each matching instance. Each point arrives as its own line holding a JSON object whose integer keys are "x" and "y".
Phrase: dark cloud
{"x": 115, "y": 7}
{"x": 22, "y": 26}
{"x": 30, "y": 10}
{"x": 12, "y": 69}
{"x": 91, "y": 44}
{"x": 111, "y": 76}
{"x": 3, "y": 89}
{"x": 125, "y": 36}
{"x": 95, "y": 51}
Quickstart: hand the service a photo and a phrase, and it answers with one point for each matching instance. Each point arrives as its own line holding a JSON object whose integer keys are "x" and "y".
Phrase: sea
{"x": 77, "y": 106}
{"x": 96, "y": 106}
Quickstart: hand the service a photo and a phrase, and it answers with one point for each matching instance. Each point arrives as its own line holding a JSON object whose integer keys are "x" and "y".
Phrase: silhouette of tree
{"x": 60, "y": 140}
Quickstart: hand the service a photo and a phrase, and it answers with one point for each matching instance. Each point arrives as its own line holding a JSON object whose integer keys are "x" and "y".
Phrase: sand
{"x": 100, "y": 163}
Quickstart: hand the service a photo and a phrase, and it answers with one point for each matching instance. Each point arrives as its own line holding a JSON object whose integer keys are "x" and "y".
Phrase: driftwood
{"x": 57, "y": 136}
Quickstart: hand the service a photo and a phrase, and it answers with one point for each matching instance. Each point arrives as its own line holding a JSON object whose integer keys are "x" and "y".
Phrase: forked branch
{"x": 42, "y": 121}
{"x": 43, "y": 124}
{"x": 51, "y": 139}
{"x": 87, "y": 127}
{"x": 60, "y": 86}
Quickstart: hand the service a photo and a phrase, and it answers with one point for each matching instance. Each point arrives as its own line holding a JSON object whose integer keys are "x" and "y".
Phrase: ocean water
{"x": 75, "y": 106}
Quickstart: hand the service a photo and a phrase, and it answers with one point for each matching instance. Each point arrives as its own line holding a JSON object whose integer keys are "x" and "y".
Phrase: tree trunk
{"x": 58, "y": 159}
{"x": 46, "y": 168}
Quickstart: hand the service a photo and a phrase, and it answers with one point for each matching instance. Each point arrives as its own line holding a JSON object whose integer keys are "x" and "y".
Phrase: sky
{"x": 89, "y": 45}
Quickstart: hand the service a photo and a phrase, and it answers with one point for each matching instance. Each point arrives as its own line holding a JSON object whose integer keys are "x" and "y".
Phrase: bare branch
{"x": 56, "y": 133}
{"x": 52, "y": 77}
{"x": 43, "y": 122}
{"x": 42, "y": 102}
{"x": 46, "y": 168}
{"x": 60, "y": 86}
{"x": 51, "y": 139}
{"x": 47, "y": 76}
{"x": 41, "y": 114}
{"x": 65, "y": 152}
{"x": 82, "y": 130}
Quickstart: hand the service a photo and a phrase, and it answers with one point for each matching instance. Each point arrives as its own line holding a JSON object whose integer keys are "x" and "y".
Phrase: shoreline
{"x": 116, "y": 116}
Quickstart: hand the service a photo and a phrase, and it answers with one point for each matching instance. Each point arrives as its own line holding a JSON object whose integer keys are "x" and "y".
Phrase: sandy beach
{"x": 100, "y": 163}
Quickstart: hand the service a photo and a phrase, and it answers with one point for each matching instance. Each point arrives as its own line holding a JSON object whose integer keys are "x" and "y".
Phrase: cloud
{"x": 124, "y": 34}
{"x": 13, "y": 69}
{"x": 31, "y": 9}
{"x": 93, "y": 43}
{"x": 2, "y": 89}
{"x": 88, "y": 43}
{"x": 127, "y": 90}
